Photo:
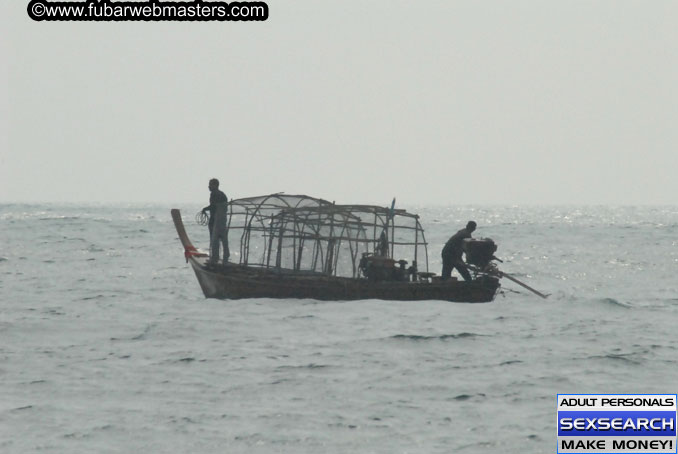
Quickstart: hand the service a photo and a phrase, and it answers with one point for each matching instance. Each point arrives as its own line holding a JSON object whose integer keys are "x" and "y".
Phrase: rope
{"x": 202, "y": 218}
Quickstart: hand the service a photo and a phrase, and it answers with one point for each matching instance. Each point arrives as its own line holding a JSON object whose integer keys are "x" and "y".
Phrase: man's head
{"x": 214, "y": 184}
{"x": 471, "y": 226}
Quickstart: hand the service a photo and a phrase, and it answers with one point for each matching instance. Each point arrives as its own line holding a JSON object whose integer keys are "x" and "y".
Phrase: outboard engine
{"x": 479, "y": 252}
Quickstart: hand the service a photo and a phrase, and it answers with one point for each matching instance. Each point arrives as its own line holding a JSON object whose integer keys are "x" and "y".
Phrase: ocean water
{"x": 107, "y": 345}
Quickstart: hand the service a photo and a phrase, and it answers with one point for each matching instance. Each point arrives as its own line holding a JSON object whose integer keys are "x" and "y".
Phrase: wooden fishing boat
{"x": 295, "y": 246}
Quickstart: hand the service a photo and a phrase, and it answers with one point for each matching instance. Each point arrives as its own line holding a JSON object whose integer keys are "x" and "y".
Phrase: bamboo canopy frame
{"x": 306, "y": 234}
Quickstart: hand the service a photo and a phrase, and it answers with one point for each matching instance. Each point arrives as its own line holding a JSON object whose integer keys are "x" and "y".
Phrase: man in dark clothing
{"x": 453, "y": 250}
{"x": 217, "y": 225}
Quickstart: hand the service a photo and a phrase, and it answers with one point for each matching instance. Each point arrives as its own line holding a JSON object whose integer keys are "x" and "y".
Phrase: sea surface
{"x": 108, "y": 346}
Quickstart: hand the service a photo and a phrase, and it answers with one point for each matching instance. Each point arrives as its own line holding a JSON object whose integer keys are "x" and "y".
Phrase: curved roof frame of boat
{"x": 254, "y": 214}
{"x": 327, "y": 228}
{"x": 285, "y": 224}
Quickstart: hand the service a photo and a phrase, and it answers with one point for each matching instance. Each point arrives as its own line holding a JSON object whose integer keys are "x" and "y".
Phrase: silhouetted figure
{"x": 453, "y": 250}
{"x": 382, "y": 247}
{"x": 217, "y": 208}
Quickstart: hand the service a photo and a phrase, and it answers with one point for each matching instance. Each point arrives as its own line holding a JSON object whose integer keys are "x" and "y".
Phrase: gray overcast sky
{"x": 442, "y": 102}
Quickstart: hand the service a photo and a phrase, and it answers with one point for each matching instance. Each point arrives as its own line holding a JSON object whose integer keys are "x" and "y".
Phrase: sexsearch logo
{"x": 616, "y": 423}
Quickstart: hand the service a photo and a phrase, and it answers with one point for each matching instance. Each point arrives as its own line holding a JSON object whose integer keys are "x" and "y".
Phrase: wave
{"x": 416, "y": 337}
{"x": 26, "y": 407}
{"x": 637, "y": 303}
{"x": 633, "y": 302}
{"x": 304, "y": 366}
{"x": 299, "y": 317}
{"x": 141, "y": 336}
{"x": 59, "y": 218}
{"x": 622, "y": 357}
{"x": 614, "y": 302}
{"x": 463, "y": 397}
{"x": 95, "y": 297}
{"x": 509, "y": 362}
{"x": 589, "y": 301}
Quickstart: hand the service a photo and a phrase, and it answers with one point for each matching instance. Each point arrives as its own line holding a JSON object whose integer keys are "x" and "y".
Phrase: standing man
{"x": 218, "y": 207}
{"x": 453, "y": 250}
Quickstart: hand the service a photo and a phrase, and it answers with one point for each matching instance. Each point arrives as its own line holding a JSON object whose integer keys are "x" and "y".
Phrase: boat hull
{"x": 233, "y": 281}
